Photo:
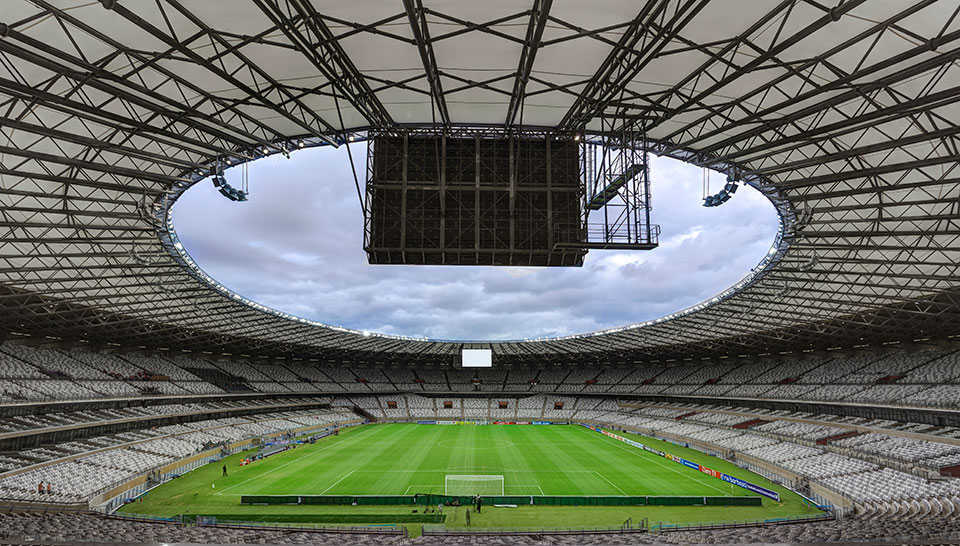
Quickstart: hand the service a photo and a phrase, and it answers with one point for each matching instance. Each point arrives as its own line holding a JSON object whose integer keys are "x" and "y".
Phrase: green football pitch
{"x": 406, "y": 459}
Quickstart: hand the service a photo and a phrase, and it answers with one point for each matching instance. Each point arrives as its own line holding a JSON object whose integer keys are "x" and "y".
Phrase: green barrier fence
{"x": 734, "y": 501}
{"x": 540, "y": 500}
{"x": 325, "y": 499}
{"x": 433, "y": 500}
{"x": 270, "y": 499}
{"x": 386, "y": 500}
{"x": 516, "y": 499}
{"x": 589, "y": 501}
{"x": 674, "y": 501}
{"x": 322, "y": 518}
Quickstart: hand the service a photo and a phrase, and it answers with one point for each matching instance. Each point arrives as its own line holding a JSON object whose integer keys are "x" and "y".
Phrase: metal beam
{"x": 417, "y": 16}
{"x": 539, "y": 15}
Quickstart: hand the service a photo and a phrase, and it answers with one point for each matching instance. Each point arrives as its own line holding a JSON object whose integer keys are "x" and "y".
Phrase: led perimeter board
{"x": 473, "y": 199}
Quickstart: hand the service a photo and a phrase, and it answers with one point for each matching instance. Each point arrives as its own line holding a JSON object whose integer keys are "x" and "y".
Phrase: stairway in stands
{"x": 227, "y": 382}
{"x": 364, "y": 413}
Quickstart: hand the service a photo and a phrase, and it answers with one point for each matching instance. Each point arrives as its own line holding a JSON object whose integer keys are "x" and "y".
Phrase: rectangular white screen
{"x": 477, "y": 358}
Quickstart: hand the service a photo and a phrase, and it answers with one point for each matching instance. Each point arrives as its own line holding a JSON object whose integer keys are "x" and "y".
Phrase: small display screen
{"x": 477, "y": 358}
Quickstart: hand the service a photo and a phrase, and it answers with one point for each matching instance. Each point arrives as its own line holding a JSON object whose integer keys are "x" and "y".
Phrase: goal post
{"x": 473, "y": 484}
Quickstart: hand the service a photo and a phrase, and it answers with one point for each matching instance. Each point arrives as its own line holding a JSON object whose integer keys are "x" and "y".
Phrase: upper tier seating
{"x": 923, "y": 378}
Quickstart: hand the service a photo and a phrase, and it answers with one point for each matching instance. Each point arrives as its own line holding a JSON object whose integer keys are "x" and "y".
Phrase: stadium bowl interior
{"x": 824, "y": 387}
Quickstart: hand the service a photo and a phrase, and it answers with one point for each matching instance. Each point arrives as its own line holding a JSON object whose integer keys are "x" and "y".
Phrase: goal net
{"x": 472, "y": 484}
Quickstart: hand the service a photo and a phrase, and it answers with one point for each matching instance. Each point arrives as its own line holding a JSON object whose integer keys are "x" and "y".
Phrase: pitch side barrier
{"x": 536, "y": 500}
{"x": 690, "y": 464}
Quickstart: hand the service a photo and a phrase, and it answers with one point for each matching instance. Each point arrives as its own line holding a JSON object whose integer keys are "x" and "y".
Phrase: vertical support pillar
{"x": 513, "y": 198}
{"x": 646, "y": 189}
{"x": 443, "y": 198}
{"x": 550, "y": 230}
{"x": 403, "y": 199}
{"x": 368, "y": 200}
{"x": 476, "y": 198}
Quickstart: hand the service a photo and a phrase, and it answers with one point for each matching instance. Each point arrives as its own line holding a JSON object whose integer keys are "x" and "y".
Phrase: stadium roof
{"x": 843, "y": 112}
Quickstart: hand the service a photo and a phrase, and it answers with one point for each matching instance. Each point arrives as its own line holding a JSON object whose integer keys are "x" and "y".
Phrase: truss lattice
{"x": 844, "y": 113}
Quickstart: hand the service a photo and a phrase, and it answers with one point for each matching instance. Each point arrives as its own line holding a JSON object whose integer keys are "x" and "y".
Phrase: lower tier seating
{"x": 78, "y": 479}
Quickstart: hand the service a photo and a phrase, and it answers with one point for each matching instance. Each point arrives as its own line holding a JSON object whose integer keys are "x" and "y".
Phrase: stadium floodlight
{"x": 473, "y": 484}
{"x": 723, "y": 195}
{"x": 227, "y": 190}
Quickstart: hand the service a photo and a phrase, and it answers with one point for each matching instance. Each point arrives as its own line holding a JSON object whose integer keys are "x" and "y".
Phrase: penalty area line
{"x": 345, "y": 476}
{"x": 622, "y": 492}
{"x": 430, "y": 487}
{"x": 641, "y": 453}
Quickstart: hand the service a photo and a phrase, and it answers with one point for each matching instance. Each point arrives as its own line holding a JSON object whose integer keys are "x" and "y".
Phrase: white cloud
{"x": 297, "y": 246}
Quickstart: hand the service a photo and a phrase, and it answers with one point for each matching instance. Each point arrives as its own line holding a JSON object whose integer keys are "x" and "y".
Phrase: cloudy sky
{"x": 296, "y": 246}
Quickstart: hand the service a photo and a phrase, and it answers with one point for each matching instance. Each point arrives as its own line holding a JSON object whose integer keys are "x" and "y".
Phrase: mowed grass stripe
{"x": 396, "y": 459}
{"x": 392, "y": 471}
{"x": 554, "y": 478}
{"x": 518, "y": 476}
{"x": 313, "y": 474}
{"x": 409, "y": 458}
{"x": 658, "y": 474}
{"x": 574, "y": 481}
{"x": 276, "y": 469}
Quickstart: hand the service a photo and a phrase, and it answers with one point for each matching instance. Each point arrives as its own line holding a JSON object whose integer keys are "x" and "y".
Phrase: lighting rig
{"x": 723, "y": 195}
{"x": 226, "y": 189}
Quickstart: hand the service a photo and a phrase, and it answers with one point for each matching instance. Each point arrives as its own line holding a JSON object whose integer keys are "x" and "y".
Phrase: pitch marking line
{"x": 622, "y": 492}
{"x": 345, "y": 476}
{"x": 428, "y": 487}
{"x": 521, "y": 487}
{"x": 639, "y": 452}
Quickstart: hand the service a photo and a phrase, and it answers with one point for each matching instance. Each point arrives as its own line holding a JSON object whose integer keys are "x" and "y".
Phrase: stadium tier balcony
{"x": 54, "y": 389}
{"x": 476, "y": 404}
{"x": 887, "y": 484}
{"x": 161, "y": 367}
{"x": 314, "y": 374}
{"x": 716, "y": 418}
{"x": 944, "y": 396}
{"x": 268, "y": 386}
{"x": 341, "y": 375}
{"x": 782, "y": 451}
{"x": 613, "y": 376}
{"x": 433, "y": 380}
{"x": 902, "y": 448}
{"x": 943, "y": 369}
{"x": 652, "y": 388}
{"x": 14, "y": 368}
{"x": 806, "y": 431}
{"x": 886, "y": 394}
{"x": 111, "y": 388}
{"x": 54, "y": 363}
{"x": 279, "y": 374}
